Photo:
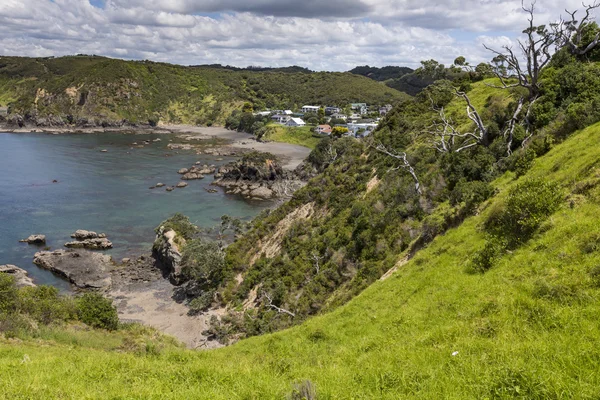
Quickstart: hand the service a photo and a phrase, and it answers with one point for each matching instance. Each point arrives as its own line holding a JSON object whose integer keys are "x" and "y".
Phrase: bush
{"x": 202, "y": 302}
{"x": 8, "y": 294}
{"x": 97, "y": 311}
{"x": 528, "y": 205}
{"x": 204, "y": 262}
{"x": 45, "y": 305}
{"x": 484, "y": 259}
{"x": 471, "y": 194}
{"x": 180, "y": 224}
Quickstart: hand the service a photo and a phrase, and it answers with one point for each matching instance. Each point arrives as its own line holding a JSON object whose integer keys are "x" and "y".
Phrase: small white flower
{"x": 455, "y": 354}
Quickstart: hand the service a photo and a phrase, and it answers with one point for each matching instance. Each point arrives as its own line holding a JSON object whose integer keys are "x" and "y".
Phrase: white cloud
{"x": 331, "y": 35}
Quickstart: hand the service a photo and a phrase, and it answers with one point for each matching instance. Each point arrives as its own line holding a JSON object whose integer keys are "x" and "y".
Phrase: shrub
{"x": 524, "y": 161}
{"x": 484, "y": 259}
{"x": 97, "y": 311}
{"x": 204, "y": 262}
{"x": 528, "y": 205}
{"x": 180, "y": 224}
{"x": 8, "y": 293}
{"x": 202, "y": 302}
{"x": 45, "y": 305}
{"x": 471, "y": 194}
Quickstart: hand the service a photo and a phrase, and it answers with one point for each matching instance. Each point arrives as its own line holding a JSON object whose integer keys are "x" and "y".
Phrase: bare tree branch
{"x": 405, "y": 164}
{"x": 571, "y": 32}
{"x": 278, "y": 309}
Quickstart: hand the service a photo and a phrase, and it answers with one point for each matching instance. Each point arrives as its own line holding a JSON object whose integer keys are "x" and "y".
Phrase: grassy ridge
{"x": 304, "y": 136}
{"x": 78, "y": 87}
{"x": 528, "y": 328}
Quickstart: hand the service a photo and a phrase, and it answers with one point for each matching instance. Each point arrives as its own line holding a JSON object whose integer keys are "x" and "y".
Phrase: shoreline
{"x": 291, "y": 154}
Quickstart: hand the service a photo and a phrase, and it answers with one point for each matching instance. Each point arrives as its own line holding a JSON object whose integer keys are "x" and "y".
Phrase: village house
{"x": 385, "y": 109}
{"x": 361, "y": 130}
{"x": 280, "y": 118}
{"x": 332, "y": 110}
{"x": 310, "y": 109}
{"x": 338, "y": 116}
{"x": 360, "y": 107}
{"x": 295, "y": 122}
{"x": 323, "y": 130}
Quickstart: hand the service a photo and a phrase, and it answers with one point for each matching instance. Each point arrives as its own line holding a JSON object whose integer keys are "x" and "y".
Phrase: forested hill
{"x": 403, "y": 79}
{"x": 99, "y": 90}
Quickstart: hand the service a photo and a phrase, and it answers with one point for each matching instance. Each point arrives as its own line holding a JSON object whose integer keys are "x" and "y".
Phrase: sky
{"x": 329, "y": 35}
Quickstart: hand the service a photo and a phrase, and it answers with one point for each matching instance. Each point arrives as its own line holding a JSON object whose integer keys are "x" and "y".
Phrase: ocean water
{"x": 100, "y": 191}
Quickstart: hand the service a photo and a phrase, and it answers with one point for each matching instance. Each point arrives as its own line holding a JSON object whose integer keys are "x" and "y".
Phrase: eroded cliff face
{"x": 167, "y": 252}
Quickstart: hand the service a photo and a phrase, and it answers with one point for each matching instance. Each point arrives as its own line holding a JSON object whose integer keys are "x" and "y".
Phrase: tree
{"x": 431, "y": 69}
{"x": 321, "y": 115}
{"x": 571, "y": 33}
{"x": 338, "y": 131}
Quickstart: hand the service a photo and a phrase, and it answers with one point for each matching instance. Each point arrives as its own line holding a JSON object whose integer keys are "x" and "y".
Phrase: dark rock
{"x": 35, "y": 239}
{"x": 83, "y": 268}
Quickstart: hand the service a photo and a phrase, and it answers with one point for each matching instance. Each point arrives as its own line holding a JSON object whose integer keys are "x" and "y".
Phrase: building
{"x": 385, "y": 109}
{"x": 295, "y": 122}
{"x": 332, "y": 110}
{"x": 323, "y": 129}
{"x": 360, "y": 107}
{"x": 338, "y": 116}
{"x": 310, "y": 109}
{"x": 280, "y": 118}
{"x": 262, "y": 113}
{"x": 360, "y": 130}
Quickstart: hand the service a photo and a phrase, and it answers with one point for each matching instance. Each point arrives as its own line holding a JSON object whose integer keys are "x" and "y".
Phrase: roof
{"x": 298, "y": 121}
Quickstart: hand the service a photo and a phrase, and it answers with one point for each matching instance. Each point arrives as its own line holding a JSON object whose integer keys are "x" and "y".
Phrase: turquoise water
{"x": 100, "y": 191}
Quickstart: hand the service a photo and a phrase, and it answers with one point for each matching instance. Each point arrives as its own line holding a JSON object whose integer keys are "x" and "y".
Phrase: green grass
{"x": 528, "y": 328}
{"x": 304, "y": 136}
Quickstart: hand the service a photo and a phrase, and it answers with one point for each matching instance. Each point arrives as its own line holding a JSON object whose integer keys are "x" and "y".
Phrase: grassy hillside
{"x": 527, "y": 328}
{"x": 76, "y": 88}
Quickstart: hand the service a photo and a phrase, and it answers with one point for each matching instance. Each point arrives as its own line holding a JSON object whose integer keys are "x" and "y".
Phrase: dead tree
{"x": 316, "y": 259}
{"x": 380, "y": 147}
{"x": 276, "y": 308}
{"x": 447, "y": 132}
{"x": 571, "y": 32}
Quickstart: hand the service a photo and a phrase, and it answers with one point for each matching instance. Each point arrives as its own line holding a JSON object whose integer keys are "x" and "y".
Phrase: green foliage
{"x": 203, "y": 262}
{"x": 45, "y": 305}
{"x": 484, "y": 259}
{"x": 180, "y": 224}
{"x": 8, "y": 294}
{"x": 471, "y": 194}
{"x": 97, "y": 311}
{"x": 527, "y": 206}
{"x": 202, "y": 302}
{"x": 89, "y": 88}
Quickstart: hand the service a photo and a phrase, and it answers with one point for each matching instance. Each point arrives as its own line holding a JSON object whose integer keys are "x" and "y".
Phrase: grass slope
{"x": 528, "y": 328}
{"x": 77, "y": 87}
{"x": 304, "y": 136}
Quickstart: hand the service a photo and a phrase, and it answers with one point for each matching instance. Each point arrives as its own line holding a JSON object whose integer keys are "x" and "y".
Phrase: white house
{"x": 295, "y": 122}
{"x": 310, "y": 109}
{"x": 280, "y": 119}
{"x": 338, "y": 116}
{"x": 287, "y": 112}
{"x": 360, "y": 107}
{"x": 361, "y": 129}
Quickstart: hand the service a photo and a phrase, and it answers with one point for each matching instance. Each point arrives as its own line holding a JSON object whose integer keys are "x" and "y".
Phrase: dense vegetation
{"x": 457, "y": 256}
{"x": 527, "y": 328}
{"x": 90, "y": 89}
{"x": 402, "y": 79}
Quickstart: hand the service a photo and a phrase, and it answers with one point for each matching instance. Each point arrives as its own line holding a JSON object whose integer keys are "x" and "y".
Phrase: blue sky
{"x": 333, "y": 35}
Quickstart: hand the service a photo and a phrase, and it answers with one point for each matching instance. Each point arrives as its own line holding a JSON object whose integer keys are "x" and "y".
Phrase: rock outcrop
{"x": 89, "y": 240}
{"x": 166, "y": 251}
{"x": 84, "y": 269}
{"x": 21, "y": 277}
{"x": 90, "y": 244}
{"x": 35, "y": 239}
{"x": 257, "y": 177}
{"x": 81, "y": 234}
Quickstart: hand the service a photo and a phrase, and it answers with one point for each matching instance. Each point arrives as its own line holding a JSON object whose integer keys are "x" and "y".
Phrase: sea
{"x": 102, "y": 191}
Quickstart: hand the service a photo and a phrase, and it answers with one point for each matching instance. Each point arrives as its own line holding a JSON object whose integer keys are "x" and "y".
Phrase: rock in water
{"x": 170, "y": 189}
{"x": 91, "y": 244}
{"x": 83, "y": 268}
{"x": 81, "y": 234}
{"x": 159, "y": 184}
{"x": 183, "y": 171}
{"x": 181, "y": 184}
{"x": 35, "y": 239}
{"x": 20, "y": 275}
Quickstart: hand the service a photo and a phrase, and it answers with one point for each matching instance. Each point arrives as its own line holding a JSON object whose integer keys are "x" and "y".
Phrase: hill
{"x": 431, "y": 330}
{"x": 96, "y": 90}
{"x": 453, "y": 253}
{"x": 403, "y": 79}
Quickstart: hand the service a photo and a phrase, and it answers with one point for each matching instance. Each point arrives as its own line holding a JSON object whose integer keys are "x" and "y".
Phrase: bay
{"x": 101, "y": 191}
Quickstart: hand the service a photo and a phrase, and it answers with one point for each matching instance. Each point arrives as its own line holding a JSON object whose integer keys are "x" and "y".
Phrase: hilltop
{"x": 91, "y": 90}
